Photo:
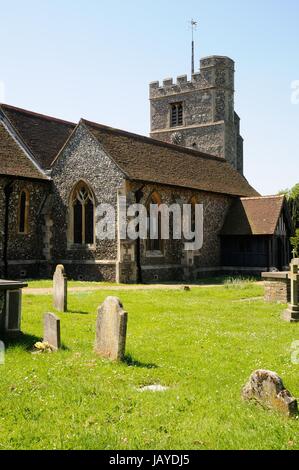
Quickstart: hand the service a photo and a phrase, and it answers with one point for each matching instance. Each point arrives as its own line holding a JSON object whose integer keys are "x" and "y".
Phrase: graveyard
{"x": 188, "y": 354}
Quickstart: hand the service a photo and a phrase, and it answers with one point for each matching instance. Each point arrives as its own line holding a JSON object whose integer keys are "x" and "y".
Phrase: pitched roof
{"x": 14, "y": 161}
{"x": 43, "y": 135}
{"x": 145, "y": 159}
{"x": 254, "y": 216}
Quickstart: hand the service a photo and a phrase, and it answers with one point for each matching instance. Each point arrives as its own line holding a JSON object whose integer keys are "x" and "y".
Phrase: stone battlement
{"x": 206, "y": 99}
{"x": 201, "y": 80}
{"x": 181, "y": 84}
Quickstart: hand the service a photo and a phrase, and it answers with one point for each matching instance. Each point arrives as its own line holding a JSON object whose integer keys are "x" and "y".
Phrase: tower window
{"x": 176, "y": 115}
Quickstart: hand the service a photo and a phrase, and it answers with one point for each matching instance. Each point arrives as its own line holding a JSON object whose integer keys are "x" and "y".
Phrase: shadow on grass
{"x": 131, "y": 362}
{"x": 26, "y": 342}
{"x": 77, "y": 312}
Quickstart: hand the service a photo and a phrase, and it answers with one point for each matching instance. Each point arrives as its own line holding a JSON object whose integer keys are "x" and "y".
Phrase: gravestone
{"x": 292, "y": 312}
{"x": 111, "y": 330}
{"x": 2, "y": 353}
{"x": 266, "y": 388}
{"x": 52, "y": 330}
{"x": 10, "y": 308}
{"x": 60, "y": 289}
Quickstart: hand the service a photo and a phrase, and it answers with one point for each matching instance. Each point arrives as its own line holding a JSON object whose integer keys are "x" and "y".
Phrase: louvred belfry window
{"x": 83, "y": 215}
{"x": 176, "y": 114}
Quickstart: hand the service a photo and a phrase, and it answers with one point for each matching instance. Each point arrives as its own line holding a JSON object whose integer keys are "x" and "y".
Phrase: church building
{"x": 54, "y": 175}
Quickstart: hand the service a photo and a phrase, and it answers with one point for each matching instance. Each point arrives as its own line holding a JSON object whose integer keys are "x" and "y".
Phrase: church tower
{"x": 200, "y": 113}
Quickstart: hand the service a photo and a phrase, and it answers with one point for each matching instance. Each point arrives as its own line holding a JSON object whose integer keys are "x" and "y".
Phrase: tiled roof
{"x": 254, "y": 216}
{"x": 13, "y": 160}
{"x": 145, "y": 159}
{"x": 43, "y": 135}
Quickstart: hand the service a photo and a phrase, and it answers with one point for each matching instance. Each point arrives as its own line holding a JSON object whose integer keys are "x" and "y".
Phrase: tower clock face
{"x": 177, "y": 138}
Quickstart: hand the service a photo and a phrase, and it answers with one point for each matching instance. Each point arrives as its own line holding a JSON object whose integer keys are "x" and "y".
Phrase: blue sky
{"x": 94, "y": 59}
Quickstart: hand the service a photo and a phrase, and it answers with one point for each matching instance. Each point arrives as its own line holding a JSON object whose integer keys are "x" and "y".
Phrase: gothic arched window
{"x": 154, "y": 244}
{"x": 23, "y": 212}
{"x": 83, "y": 215}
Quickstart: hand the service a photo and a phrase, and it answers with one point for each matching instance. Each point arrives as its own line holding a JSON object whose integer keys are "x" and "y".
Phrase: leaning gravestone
{"x": 266, "y": 388}
{"x": 292, "y": 312}
{"x": 111, "y": 330}
{"x": 52, "y": 330}
{"x": 60, "y": 289}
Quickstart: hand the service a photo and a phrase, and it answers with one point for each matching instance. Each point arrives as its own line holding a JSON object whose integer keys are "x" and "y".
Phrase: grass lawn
{"x": 202, "y": 344}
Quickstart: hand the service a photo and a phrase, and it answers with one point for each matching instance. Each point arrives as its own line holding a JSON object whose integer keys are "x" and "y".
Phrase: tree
{"x": 292, "y": 196}
{"x": 295, "y": 242}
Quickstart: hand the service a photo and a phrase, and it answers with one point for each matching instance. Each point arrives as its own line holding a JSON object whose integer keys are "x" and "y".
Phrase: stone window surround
{"x": 176, "y": 126}
{"x": 71, "y": 246}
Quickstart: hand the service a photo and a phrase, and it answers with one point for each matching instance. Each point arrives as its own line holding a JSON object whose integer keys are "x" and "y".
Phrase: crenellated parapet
{"x": 170, "y": 86}
{"x": 215, "y": 72}
{"x": 207, "y": 118}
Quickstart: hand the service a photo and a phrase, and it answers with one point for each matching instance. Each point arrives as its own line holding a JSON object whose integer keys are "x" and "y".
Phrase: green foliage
{"x": 203, "y": 345}
{"x": 295, "y": 242}
{"x": 293, "y": 201}
{"x": 292, "y": 196}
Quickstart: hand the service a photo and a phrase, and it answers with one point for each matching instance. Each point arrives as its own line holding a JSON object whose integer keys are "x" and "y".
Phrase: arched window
{"x": 154, "y": 244}
{"x": 23, "y": 212}
{"x": 82, "y": 215}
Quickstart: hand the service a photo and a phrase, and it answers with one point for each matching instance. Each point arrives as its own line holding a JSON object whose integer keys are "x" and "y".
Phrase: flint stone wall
{"x": 84, "y": 159}
{"x": 25, "y": 251}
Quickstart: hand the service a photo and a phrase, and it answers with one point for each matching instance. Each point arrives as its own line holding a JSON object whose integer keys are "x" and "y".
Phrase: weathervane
{"x": 193, "y": 24}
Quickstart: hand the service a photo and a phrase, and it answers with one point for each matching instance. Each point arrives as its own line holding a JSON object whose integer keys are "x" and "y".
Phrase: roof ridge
{"x": 33, "y": 113}
{"x": 276, "y": 196}
{"x": 150, "y": 140}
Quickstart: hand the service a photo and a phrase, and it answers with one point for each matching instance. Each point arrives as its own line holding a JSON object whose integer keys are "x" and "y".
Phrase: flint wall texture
{"x": 24, "y": 251}
{"x": 171, "y": 264}
{"x": 83, "y": 159}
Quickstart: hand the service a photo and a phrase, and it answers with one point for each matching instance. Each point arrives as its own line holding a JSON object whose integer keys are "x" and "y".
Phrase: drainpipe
{"x": 138, "y": 197}
{"x": 7, "y": 191}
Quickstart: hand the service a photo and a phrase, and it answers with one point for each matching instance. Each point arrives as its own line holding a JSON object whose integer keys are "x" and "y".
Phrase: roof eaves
{"x": 225, "y": 193}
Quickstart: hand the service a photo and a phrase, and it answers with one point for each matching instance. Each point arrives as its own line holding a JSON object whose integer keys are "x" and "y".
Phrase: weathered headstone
{"x": 60, "y": 289}
{"x": 292, "y": 312}
{"x": 52, "y": 330}
{"x": 2, "y": 353}
{"x": 267, "y": 388}
{"x": 111, "y": 330}
{"x": 10, "y": 308}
